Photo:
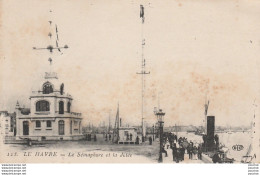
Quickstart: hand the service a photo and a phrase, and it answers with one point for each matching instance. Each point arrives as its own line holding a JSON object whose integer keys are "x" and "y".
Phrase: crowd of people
{"x": 89, "y": 137}
{"x": 107, "y": 136}
{"x": 181, "y": 146}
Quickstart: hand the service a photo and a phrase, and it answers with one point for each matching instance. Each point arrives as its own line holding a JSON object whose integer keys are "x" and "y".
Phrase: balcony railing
{"x": 76, "y": 113}
{"x": 50, "y": 75}
{"x": 54, "y": 93}
{"x": 72, "y": 113}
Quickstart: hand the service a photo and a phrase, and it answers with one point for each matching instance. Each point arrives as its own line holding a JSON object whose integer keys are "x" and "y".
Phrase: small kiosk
{"x": 127, "y": 135}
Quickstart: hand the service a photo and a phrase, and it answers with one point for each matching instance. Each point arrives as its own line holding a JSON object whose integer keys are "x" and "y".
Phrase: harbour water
{"x": 229, "y": 140}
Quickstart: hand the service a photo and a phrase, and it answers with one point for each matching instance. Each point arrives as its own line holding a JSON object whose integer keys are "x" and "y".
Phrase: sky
{"x": 193, "y": 49}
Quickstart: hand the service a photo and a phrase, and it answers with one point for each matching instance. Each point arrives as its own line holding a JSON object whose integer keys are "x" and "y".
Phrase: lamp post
{"x": 153, "y": 132}
{"x": 160, "y": 118}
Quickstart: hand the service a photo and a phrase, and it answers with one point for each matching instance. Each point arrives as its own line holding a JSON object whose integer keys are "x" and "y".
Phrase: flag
{"x": 143, "y": 43}
{"x": 142, "y": 12}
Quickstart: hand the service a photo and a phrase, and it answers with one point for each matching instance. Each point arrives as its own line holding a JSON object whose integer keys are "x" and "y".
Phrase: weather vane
{"x": 51, "y": 47}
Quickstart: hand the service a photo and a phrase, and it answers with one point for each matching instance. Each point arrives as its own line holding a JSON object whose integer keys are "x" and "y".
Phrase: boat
{"x": 250, "y": 156}
{"x": 221, "y": 157}
{"x": 229, "y": 131}
{"x": 199, "y": 132}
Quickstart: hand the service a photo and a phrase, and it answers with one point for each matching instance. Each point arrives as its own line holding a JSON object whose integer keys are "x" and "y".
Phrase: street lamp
{"x": 160, "y": 118}
{"x": 153, "y": 132}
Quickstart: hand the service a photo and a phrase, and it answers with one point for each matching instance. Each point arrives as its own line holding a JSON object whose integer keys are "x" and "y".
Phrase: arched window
{"x": 38, "y": 124}
{"x": 61, "y": 89}
{"x": 61, "y": 127}
{"x": 48, "y": 123}
{"x": 47, "y": 88}
{"x": 68, "y": 107}
{"x": 61, "y": 107}
{"x": 42, "y": 106}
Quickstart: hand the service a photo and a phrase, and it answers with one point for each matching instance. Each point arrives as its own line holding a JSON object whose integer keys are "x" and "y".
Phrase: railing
{"x": 9, "y": 137}
{"x": 72, "y": 113}
{"x": 41, "y": 92}
{"x": 76, "y": 113}
{"x": 51, "y": 75}
{"x": 50, "y": 94}
{"x": 42, "y": 112}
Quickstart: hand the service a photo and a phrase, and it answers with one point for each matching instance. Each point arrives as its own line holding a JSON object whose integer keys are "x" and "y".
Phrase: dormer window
{"x": 42, "y": 106}
{"x": 47, "y": 88}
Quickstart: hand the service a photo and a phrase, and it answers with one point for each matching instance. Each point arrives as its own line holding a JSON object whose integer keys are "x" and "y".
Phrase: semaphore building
{"x": 50, "y": 115}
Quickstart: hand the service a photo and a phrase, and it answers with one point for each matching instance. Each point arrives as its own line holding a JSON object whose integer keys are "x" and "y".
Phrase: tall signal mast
{"x": 109, "y": 124}
{"x": 143, "y": 72}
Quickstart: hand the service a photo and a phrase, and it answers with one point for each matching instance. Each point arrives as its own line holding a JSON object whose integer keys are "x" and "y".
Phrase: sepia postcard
{"x": 98, "y": 81}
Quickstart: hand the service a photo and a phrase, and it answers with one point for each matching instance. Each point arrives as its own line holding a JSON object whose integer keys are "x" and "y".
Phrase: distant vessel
{"x": 229, "y": 131}
{"x": 199, "y": 132}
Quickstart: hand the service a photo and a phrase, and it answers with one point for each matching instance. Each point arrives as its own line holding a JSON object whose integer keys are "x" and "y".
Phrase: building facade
{"x": 7, "y": 124}
{"x": 50, "y": 115}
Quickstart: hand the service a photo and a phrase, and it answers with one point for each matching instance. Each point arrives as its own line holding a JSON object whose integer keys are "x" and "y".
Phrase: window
{"x": 61, "y": 107}
{"x": 68, "y": 107}
{"x": 70, "y": 127}
{"x": 61, "y": 127}
{"x": 25, "y": 128}
{"x": 38, "y": 124}
{"x": 61, "y": 89}
{"x": 48, "y": 124}
{"x": 42, "y": 106}
{"x": 47, "y": 88}
{"x": 79, "y": 126}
